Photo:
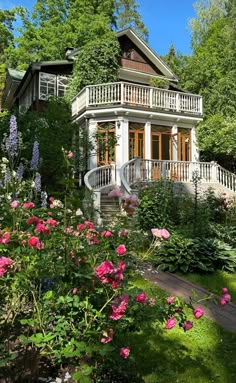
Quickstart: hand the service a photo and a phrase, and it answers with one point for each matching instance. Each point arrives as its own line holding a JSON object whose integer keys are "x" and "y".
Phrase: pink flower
{"x": 187, "y": 325}
{"x": 81, "y": 227}
{"x": 156, "y": 233}
{"x": 119, "y": 307}
{"x": 70, "y": 155}
{"x": 89, "y": 224}
{"x": 33, "y": 220}
{"x": 75, "y": 290}
{"x": 124, "y": 352}
{"x": 104, "y": 270}
{"x": 106, "y": 233}
{"x": 115, "y": 193}
{"x": 41, "y": 228}
{"x": 5, "y": 237}
{"x": 171, "y": 323}
{"x": 223, "y": 301}
{"x": 141, "y": 298}
{"x": 15, "y": 204}
{"x": 51, "y": 199}
{"x": 198, "y": 312}
{"x": 35, "y": 242}
{"x": 164, "y": 233}
{"x": 28, "y": 205}
{"x": 4, "y": 264}
{"x": 224, "y": 290}
{"x": 51, "y": 222}
{"x": 124, "y": 233}
{"x": 170, "y": 300}
{"x": 227, "y": 298}
{"x": 121, "y": 250}
{"x": 107, "y": 336}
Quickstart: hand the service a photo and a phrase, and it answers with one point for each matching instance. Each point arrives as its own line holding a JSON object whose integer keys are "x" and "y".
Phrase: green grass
{"x": 205, "y": 354}
{"x": 215, "y": 281}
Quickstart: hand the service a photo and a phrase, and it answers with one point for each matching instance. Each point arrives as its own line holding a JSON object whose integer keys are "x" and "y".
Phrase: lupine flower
{"x": 35, "y": 157}
{"x": 7, "y": 177}
{"x": 107, "y": 336}
{"x": 141, "y": 298}
{"x": 124, "y": 352}
{"x": 37, "y": 183}
{"x": 121, "y": 250}
{"x": 171, "y": 322}
{"x": 198, "y": 312}
{"x": 20, "y": 172}
{"x": 187, "y": 325}
{"x": 12, "y": 140}
{"x": 44, "y": 199}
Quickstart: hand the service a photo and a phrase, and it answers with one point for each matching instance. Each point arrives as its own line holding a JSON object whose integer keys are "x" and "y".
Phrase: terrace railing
{"x": 124, "y": 93}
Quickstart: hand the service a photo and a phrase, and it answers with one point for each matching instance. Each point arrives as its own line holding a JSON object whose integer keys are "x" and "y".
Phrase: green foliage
{"x": 187, "y": 255}
{"x": 96, "y": 63}
{"x": 156, "y": 206}
{"x": 159, "y": 83}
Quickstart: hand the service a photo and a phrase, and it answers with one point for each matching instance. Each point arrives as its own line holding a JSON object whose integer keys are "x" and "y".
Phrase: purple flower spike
{"x": 35, "y": 157}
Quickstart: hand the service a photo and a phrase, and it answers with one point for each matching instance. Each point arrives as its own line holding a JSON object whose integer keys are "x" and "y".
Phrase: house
{"x": 34, "y": 86}
{"x": 140, "y": 132}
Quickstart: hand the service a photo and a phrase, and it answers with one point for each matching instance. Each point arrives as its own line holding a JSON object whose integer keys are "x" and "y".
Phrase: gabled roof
{"x": 149, "y": 52}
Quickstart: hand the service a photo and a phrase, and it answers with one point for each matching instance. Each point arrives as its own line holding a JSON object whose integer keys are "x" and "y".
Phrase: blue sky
{"x": 167, "y": 21}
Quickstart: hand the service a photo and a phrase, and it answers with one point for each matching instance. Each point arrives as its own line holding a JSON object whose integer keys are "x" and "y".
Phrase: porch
{"x": 119, "y": 94}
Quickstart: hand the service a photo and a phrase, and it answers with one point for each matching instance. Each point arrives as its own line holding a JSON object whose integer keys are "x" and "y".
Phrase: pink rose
{"x": 223, "y": 301}
{"x": 121, "y": 250}
{"x": 164, "y": 233}
{"x": 28, "y": 205}
{"x": 124, "y": 352}
{"x": 170, "y": 300}
{"x": 119, "y": 307}
{"x": 104, "y": 270}
{"x": 5, "y": 238}
{"x": 81, "y": 227}
{"x": 89, "y": 224}
{"x": 106, "y": 233}
{"x": 41, "y": 228}
{"x": 171, "y": 323}
{"x": 75, "y": 290}
{"x": 15, "y": 204}
{"x": 198, "y": 312}
{"x": 70, "y": 155}
{"x": 33, "y": 220}
{"x": 224, "y": 290}
{"x": 4, "y": 264}
{"x": 156, "y": 233}
{"x": 33, "y": 241}
{"x": 51, "y": 222}
{"x": 141, "y": 298}
{"x": 187, "y": 325}
{"x": 227, "y": 298}
{"x": 107, "y": 336}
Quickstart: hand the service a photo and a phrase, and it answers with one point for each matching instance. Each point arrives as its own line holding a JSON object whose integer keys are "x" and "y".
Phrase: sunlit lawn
{"x": 215, "y": 281}
{"x": 204, "y": 354}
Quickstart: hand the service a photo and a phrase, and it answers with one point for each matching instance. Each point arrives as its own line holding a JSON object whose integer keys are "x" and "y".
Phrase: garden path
{"x": 176, "y": 285}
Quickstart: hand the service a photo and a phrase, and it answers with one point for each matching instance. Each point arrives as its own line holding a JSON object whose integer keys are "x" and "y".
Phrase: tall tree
{"x": 128, "y": 16}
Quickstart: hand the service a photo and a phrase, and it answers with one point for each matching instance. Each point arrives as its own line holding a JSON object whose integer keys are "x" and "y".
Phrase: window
{"x": 51, "y": 85}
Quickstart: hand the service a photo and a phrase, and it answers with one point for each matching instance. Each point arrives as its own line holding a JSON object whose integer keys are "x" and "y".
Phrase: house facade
{"x": 131, "y": 118}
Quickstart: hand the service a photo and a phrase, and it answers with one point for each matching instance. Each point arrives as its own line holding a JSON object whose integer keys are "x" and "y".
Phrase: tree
{"x": 127, "y": 15}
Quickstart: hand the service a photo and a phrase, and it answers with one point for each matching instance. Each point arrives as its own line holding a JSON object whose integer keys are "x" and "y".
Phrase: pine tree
{"x": 128, "y": 16}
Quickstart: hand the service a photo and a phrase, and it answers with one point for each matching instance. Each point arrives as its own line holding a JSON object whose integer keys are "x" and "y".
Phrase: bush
{"x": 188, "y": 255}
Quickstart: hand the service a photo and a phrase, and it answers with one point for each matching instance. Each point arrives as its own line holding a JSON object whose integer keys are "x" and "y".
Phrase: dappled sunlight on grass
{"x": 204, "y": 354}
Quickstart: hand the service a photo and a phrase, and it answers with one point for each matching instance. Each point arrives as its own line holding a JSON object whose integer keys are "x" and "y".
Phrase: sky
{"x": 166, "y": 20}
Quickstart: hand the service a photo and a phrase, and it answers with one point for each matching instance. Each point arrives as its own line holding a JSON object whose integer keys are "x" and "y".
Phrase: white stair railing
{"x": 137, "y": 170}
{"x": 95, "y": 180}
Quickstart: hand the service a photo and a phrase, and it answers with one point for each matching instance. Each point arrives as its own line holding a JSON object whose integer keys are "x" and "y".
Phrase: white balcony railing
{"x": 128, "y": 94}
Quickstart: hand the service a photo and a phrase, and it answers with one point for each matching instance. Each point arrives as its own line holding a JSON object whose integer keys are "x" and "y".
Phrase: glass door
{"x": 106, "y": 141}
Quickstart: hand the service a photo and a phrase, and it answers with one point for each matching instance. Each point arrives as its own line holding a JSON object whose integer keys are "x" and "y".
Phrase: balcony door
{"x": 184, "y": 146}
{"x": 161, "y": 150}
{"x": 106, "y": 143}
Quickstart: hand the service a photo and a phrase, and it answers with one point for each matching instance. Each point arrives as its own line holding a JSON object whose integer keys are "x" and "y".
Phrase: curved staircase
{"x": 141, "y": 172}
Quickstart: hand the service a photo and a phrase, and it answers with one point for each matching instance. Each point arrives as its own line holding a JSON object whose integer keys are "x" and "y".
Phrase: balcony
{"x": 131, "y": 95}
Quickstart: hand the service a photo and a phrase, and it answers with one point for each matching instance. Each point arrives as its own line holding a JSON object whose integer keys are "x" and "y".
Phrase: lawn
{"x": 206, "y": 353}
{"x": 214, "y": 281}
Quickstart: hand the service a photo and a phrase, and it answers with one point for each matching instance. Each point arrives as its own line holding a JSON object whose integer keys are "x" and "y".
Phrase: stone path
{"x": 175, "y": 285}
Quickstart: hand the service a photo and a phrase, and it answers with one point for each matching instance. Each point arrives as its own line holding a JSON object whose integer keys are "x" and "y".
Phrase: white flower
{"x": 5, "y": 160}
{"x": 79, "y": 212}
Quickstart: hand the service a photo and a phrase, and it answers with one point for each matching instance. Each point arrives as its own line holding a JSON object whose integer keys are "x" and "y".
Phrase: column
{"x": 174, "y": 133}
{"x": 92, "y": 128}
{"x": 148, "y": 141}
{"x": 122, "y": 145}
{"x": 194, "y": 148}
